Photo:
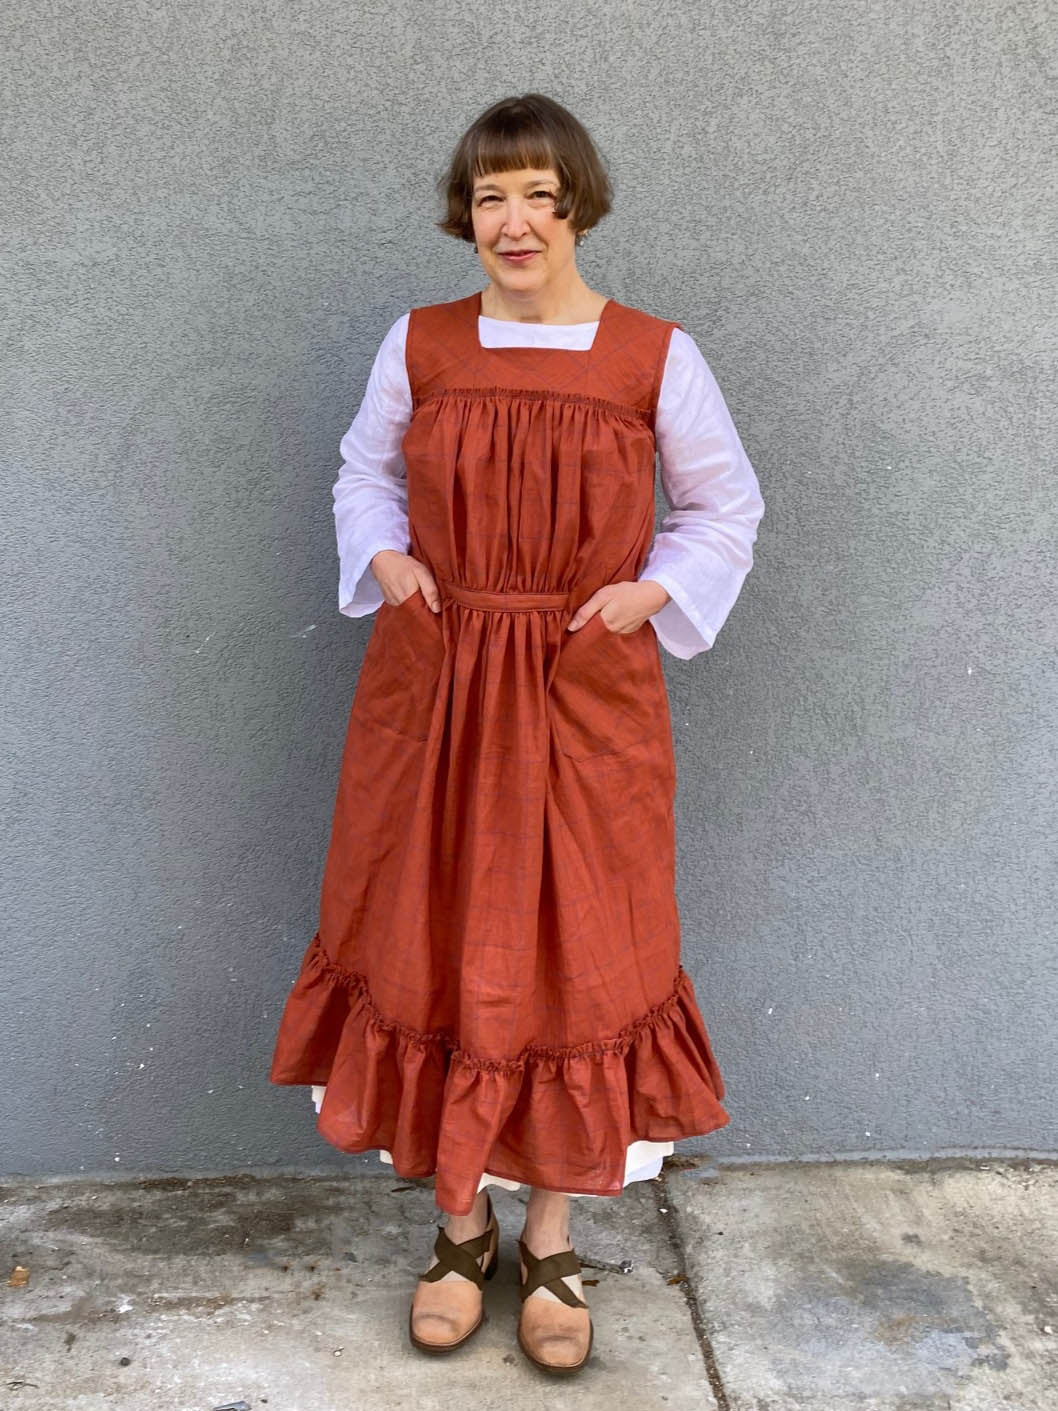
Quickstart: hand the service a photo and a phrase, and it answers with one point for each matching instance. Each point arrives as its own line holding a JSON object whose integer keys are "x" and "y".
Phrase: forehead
{"x": 513, "y": 180}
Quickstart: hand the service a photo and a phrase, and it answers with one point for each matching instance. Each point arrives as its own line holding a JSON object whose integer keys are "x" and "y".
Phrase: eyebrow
{"x": 535, "y": 181}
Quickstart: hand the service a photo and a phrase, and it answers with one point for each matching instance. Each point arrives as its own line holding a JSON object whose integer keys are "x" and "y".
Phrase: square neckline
{"x": 539, "y": 347}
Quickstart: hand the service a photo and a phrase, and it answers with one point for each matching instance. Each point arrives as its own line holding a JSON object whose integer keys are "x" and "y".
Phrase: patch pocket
{"x": 399, "y": 675}
{"x": 608, "y": 691}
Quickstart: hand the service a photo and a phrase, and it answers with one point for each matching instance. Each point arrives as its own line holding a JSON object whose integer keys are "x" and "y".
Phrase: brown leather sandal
{"x": 461, "y": 1259}
{"x": 548, "y": 1272}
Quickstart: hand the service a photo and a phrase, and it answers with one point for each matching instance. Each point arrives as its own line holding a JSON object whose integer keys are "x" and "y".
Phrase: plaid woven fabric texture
{"x": 495, "y": 984}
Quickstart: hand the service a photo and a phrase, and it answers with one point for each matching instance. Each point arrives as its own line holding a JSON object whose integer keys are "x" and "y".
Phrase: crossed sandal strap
{"x": 548, "y": 1271}
{"x": 460, "y": 1258}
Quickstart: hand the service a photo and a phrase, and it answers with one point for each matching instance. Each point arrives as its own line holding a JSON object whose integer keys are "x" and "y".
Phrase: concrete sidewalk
{"x": 755, "y": 1288}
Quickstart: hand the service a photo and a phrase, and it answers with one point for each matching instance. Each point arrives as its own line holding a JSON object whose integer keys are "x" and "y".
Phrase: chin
{"x": 519, "y": 279}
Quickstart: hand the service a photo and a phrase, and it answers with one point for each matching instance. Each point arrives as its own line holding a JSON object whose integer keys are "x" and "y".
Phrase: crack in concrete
{"x": 672, "y": 1229}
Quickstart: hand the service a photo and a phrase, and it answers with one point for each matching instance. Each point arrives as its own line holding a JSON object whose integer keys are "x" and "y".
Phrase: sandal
{"x": 460, "y": 1309}
{"x": 547, "y": 1325}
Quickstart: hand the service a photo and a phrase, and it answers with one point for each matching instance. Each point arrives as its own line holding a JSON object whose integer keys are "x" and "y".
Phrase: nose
{"x": 515, "y": 223}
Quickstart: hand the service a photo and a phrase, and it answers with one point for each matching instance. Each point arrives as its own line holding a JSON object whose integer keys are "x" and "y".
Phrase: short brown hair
{"x": 530, "y": 131}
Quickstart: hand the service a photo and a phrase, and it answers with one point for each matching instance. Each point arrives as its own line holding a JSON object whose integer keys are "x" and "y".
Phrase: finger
{"x": 580, "y": 617}
{"x": 431, "y": 594}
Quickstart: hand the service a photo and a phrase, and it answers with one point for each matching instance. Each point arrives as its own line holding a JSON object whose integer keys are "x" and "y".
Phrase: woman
{"x": 494, "y": 995}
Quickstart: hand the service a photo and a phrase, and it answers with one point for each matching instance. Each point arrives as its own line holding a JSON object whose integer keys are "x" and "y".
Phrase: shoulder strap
{"x": 629, "y": 357}
{"x": 437, "y": 343}
{"x": 659, "y": 370}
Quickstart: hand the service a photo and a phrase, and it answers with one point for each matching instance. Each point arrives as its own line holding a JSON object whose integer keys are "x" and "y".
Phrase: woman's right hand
{"x": 399, "y": 575}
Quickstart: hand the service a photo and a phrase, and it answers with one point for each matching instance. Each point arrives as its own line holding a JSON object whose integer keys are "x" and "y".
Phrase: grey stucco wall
{"x": 214, "y": 213}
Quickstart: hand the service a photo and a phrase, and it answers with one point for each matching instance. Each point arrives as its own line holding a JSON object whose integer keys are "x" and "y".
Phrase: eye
{"x": 548, "y": 195}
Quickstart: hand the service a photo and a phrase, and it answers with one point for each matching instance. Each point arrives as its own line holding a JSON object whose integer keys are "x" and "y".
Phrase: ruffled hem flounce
{"x": 642, "y": 1159}
{"x": 558, "y": 1118}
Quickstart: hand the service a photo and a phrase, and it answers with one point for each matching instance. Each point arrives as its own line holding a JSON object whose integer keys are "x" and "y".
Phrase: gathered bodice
{"x": 531, "y": 469}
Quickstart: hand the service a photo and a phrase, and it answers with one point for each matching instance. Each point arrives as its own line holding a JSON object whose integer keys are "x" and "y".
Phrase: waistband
{"x": 506, "y": 602}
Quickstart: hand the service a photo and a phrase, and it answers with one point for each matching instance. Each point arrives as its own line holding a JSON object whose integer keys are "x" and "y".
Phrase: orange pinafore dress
{"x": 495, "y": 984}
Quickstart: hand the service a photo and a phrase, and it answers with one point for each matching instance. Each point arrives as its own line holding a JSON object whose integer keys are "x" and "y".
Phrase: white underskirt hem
{"x": 642, "y": 1159}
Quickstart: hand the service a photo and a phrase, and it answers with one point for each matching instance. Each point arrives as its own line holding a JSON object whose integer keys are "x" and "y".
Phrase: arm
{"x": 371, "y": 493}
{"x": 703, "y": 551}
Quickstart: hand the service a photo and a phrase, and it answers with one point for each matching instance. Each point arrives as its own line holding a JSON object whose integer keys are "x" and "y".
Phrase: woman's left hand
{"x": 624, "y": 606}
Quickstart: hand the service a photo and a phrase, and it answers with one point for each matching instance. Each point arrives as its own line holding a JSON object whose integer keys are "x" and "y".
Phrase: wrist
{"x": 376, "y": 556}
{"x": 659, "y": 594}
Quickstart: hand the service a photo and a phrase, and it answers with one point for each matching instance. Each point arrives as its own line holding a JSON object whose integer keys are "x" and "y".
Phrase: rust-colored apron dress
{"x": 496, "y": 983}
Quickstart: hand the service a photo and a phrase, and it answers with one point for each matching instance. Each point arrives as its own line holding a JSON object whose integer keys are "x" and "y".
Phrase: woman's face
{"x": 514, "y": 211}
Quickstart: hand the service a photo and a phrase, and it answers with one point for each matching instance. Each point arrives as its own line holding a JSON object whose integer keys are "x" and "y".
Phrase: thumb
{"x": 586, "y": 611}
{"x": 429, "y": 591}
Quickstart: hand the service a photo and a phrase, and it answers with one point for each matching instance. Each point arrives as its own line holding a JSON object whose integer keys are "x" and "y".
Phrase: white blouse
{"x": 702, "y": 552}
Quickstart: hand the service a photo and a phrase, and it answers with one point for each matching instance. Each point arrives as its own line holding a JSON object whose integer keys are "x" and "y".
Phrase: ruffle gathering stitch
{"x": 533, "y": 394}
{"x": 558, "y": 1118}
{"x": 357, "y": 984}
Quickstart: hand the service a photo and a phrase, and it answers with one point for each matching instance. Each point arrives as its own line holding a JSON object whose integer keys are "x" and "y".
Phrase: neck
{"x": 572, "y": 302}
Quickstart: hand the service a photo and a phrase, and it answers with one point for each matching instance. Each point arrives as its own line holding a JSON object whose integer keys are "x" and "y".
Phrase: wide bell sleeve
{"x": 371, "y": 492}
{"x": 703, "y": 550}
